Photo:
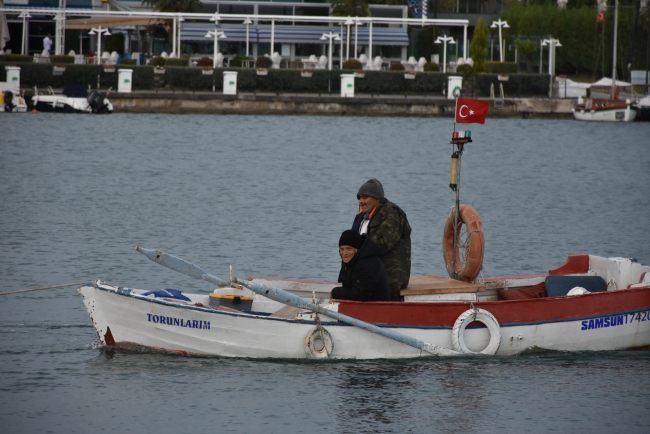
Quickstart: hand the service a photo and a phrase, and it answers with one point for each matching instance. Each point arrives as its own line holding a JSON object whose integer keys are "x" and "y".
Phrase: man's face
{"x": 367, "y": 203}
{"x": 347, "y": 253}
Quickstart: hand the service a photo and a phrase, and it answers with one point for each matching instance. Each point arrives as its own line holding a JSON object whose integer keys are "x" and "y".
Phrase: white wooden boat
{"x": 591, "y": 109}
{"x": 73, "y": 99}
{"x": 589, "y": 303}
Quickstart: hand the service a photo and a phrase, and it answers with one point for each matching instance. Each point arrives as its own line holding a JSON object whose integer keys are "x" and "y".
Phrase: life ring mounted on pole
{"x": 470, "y": 244}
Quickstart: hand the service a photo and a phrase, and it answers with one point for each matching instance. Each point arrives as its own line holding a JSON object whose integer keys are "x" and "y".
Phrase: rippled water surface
{"x": 270, "y": 195}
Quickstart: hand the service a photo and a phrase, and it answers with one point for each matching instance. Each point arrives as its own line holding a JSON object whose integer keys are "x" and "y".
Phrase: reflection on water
{"x": 270, "y": 195}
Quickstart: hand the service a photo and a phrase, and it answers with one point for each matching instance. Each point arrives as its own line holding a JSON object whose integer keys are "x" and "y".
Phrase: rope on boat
{"x": 43, "y": 287}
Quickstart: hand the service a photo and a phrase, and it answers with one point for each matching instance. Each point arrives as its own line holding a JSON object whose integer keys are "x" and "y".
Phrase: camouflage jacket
{"x": 390, "y": 230}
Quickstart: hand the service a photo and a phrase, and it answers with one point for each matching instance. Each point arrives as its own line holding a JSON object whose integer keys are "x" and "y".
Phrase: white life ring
{"x": 319, "y": 343}
{"x": 480, "y": 315}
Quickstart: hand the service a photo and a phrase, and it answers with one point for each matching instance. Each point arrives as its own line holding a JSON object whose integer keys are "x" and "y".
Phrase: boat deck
{"x": 433, "y": 284}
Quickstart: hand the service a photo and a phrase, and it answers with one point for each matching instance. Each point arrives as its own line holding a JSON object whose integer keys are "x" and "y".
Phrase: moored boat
{"x": 73, "y": 99}
{"x": 643, "y": 109}
{"x": 591, "y": 109}
{"x": 12, "y": 103}
{"x": 590, "y": 303}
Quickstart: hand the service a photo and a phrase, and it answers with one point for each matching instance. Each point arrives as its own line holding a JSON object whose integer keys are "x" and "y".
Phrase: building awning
{"x": 294, "y": 34}
{"x": 233, "y": 32}
{"x": 89, "y": 23}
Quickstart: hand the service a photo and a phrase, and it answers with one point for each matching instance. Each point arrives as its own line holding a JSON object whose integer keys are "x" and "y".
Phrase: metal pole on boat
{"x": 458, "y": 139}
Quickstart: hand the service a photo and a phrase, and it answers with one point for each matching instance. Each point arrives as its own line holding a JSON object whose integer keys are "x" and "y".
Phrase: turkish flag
{"x": 471, "y": 111}
{"x": 601, "y": 17}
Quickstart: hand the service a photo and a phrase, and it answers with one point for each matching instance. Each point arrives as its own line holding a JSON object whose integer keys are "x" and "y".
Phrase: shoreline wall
{"x": 209, "y": 103}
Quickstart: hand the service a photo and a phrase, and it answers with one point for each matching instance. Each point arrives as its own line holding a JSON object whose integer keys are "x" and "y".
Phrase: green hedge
{"x": 279, "y": 80}
{"x": 18, "y": 58}
{"x": 183, "y": 61}
{"x": 40, "y": 74}
{"x": 62, "y": 59}
{"x": 500, "y": 67}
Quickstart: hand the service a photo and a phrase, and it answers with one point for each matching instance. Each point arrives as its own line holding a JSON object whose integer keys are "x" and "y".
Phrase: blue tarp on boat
{"x": 167, "y": 293}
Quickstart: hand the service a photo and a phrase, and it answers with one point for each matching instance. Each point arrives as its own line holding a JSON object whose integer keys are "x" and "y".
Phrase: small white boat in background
{"x": 604, "y": 110}
{"x": 643, "y": 108}
{"x": 11, "y": 103}
{"x": 73, "y": 99}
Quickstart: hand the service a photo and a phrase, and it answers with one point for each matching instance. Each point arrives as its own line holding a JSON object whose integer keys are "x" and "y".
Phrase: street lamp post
{"x": 443, "y": 40}
{"x": 60, "y": 34}
{"x": 341, "y": 53}
{"x": 98, "y": 31}
{"x": 348, "y": 23}
{"x": 357, "y": 23}
{"x": 180, "y": 30}
{"x": 24, "y": 16}
{"x": 247, "y": 22}
{"x": 216, "y": 34}
{"x": 332, "y": 37}
{"x": 551, "y": 43}
{"x": 500, "y": 24}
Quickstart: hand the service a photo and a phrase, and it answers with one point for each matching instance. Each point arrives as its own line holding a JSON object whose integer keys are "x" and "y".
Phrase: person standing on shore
{"x": 387, "y": 225}
{"x": 47, "y": 45}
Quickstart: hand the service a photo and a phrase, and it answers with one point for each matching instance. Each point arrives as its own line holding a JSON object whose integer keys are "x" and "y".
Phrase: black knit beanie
{"x": 351, "y": 238}
{"x": 372, "y": 188}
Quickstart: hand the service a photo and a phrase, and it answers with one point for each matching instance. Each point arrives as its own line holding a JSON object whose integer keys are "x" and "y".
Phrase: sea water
{"x": 270, "y": 196}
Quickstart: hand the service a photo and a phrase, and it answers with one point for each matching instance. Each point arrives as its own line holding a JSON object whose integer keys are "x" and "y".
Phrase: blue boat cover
{"x": 561, "y": 285}
{"x": 75, "y": 91}
{"x": 167, "y": 293}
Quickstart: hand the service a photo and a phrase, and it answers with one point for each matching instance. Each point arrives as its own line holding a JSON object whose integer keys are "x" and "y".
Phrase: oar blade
{"x": 180, "y": 265}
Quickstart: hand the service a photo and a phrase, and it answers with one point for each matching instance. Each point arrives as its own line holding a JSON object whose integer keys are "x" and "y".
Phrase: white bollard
{"x": 347, "y": 85}
{"x": 13, "y": 77}
{"x": 230, "y": 82}
{"x": 454, "y": 86}
{"x": 124, "y": 81}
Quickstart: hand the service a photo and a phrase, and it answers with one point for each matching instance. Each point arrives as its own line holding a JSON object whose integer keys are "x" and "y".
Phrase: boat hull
{"x": 64, "y": 104}
{"x": 627, "y": 114}
{"x": 614, "y": 320}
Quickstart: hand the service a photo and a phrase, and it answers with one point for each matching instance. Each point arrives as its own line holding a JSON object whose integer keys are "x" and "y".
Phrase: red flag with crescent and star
{"x": 471, "y": 111}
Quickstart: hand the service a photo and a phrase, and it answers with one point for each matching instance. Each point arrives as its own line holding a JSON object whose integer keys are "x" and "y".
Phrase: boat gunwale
{"x": 127, "y": 292}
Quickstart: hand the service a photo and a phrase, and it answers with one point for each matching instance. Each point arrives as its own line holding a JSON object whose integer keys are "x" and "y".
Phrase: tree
{"x": 173, "y": 5}
{"x": 528, "y": 50}
{"x": 350, "y": 8}
{"x": 479, "y": 45}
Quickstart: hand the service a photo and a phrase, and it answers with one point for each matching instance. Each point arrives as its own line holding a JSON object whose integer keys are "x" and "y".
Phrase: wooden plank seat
{"x": 424, "y": 285}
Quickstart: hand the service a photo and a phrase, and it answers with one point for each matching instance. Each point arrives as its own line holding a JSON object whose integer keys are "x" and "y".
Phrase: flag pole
{"x": 459, "y": 153}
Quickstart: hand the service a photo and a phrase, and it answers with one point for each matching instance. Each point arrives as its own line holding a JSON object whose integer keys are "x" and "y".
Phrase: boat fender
{"x": 319, "y": 343}
{"x": 470, "y": 262}
{"x": 578, "y": 290}
{"x": 469, "y": 316}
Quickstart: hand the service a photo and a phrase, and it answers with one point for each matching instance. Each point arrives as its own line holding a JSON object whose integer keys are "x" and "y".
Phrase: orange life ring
{"x": 470, "y": 263}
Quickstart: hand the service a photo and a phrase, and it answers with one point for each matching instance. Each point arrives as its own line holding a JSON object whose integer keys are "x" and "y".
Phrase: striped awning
{"x": 89, "y": 23}
{"x": 295, "y": 34}
{"x": 233, "y": 32}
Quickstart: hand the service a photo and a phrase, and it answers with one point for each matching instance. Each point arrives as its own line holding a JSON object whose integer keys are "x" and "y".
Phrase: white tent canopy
{"x": 607, "y": 82}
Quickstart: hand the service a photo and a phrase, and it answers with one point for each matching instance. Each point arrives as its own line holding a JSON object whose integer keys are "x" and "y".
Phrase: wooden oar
{"x": 289, "y": 299}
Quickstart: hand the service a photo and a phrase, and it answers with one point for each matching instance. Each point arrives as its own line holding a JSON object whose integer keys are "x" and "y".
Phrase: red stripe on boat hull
{"x": 506, "y": 312}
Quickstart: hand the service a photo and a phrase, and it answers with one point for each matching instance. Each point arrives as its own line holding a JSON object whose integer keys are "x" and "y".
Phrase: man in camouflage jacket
{"x": 386, "y": 224}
